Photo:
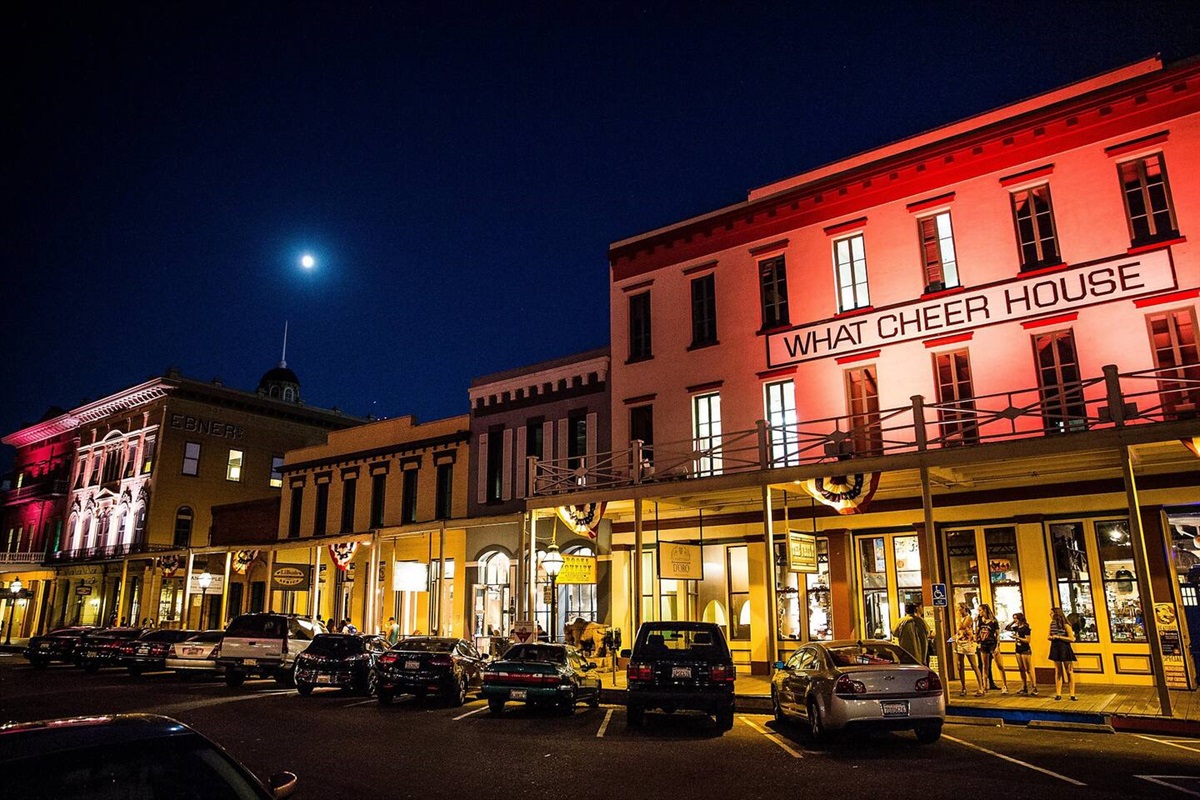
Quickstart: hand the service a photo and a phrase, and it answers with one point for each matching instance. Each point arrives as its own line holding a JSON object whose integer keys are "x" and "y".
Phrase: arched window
{"x": 493, "y": 594}
{"x": 183, "y": 527}
{"x": 289, "y": 394}
{"x": 139, "y": 524}
{"x": 577, "y": 600}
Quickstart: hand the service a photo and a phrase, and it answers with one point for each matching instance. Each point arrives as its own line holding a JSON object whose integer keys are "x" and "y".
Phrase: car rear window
{"x": 207, "y": 636}
{"x": 536, "y": 652}
{"x": 862, "y": 655}
{"x": 698, "y": 643}
{"x": 335, "y": 645}
{"x": 425, "y": 645}
{"x": 265, "y": 626}
{"x": 166, "y": 636}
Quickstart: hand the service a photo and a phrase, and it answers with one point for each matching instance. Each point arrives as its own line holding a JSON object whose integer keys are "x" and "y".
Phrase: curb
{"x": 1084, "y": 727}
{"x": 962, "y": 720}
{"x": 1156, "y": 725}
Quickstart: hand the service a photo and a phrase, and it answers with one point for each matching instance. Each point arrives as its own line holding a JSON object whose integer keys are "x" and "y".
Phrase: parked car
{"x": 123, "y": 755}
{"x": 56, "y": 645}
{"x": 844, "y": 685}
{"x": 266, "y": 644}
{"x": 196, "y": 655}
{"x": 148, "y": 652}
{"x": 680, "y": 666}
{"x": 418, "y": 665}
{"x": 102, "y": 647}
{"x": 541, "y": 674}
{"x": 343, "y": 660}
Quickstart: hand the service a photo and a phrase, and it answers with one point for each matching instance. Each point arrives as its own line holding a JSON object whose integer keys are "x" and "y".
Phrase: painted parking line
{"x": 469, "y": 713}
{"x": 1191, "y": 745}
{"x": 359, "y": 703}
{"x": 1165, "y": 780}
{"x": 1017, "y": 761}
{"x": 604, "y": 725}
{"x": 773, "y": 737}
{"x": 175, "y": 708}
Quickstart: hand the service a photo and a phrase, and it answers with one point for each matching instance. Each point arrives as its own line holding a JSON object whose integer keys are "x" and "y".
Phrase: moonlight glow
{"x": 307, "y": 261}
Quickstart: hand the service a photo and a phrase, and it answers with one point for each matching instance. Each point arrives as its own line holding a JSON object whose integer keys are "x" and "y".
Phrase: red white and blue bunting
{"x": 242, "y": 559}
{"x": 849, "y": 494}
{"x": 169, "y": 565}
{"x": 1193, "y": 444}
{"x": 583, "y": 518}
{"x": 342, "y": 553}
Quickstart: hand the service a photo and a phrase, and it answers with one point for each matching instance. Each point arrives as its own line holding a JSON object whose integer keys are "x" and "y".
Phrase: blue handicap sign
{"x": 939, "y": 595}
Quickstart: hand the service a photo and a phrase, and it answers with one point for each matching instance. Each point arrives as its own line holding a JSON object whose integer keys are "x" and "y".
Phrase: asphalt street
{"x": 344, "y": 746}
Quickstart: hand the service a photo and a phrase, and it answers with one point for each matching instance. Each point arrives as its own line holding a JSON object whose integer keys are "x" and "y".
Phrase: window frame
{"x": 1177, "y": 399}
{"x": 857, "y": 284}
{"x": 641, "y": 343}
{"x": 942, "y": 273}
{"x": 193, "y": 460}
{"x": 773, "y": 293}
{"x": 1037, "y": 243}
{"x": 1065, "y": 395}
{"x": 233, "y": 472}
{"x": 704, "y": 311}
{"x": 782, "y": 423}
{"x": 1145, "y": 190}
{"x": 708, "y": 402}
{"x": 865, "y": 423}
{"x": 957, "y": 421}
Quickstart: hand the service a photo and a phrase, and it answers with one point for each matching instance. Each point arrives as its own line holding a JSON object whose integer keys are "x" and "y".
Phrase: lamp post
{"x": 552, "y": 562}
{"x": 205, "y": 580}
{"x": 14, "y": 591}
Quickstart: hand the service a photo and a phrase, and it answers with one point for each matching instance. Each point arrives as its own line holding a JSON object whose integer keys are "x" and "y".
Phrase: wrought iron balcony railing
{"x": 102, "y": 553}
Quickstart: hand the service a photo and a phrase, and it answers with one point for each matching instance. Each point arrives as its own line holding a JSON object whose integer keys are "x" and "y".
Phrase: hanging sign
{"x": 410, "y": 576}
{"x": 524, "y": 631}
{"x": 342, "y": 553}
{"x": 577, "y": 570}
{"x": 849, "y": 494}
{"x": 290, "y": 577}
{"x": 802, "y": 552}
{"x": 83, "y": 591}
{"x": 582, "y": 518}
{"x": 680, "y": 562}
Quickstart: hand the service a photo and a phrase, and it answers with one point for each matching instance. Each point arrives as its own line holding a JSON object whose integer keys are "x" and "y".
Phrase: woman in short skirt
{"x": 1061, "y": 652}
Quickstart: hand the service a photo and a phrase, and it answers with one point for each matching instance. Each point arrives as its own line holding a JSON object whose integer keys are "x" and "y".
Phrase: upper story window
{"x": 779, "y": 407}
{"x": 131, "y": 462}
{"x": 1033, "y": 216}
{"x": 706, "y": 433}
{"x": 297, "y": 508}
{"x": 112, "y": 464}
{"x": 862, "y": 401}
{"x": 704, "y": 311}
{"x": 183, "y": 527}
{"x": 1177, "y": 359}
{"x": 576, "y": 439}
{"x": 639, "y": 327}
{"x": 850, "y": 266}
{"x": 445, "y": 491}
{"x": 148, "y": 455}
{"x": 349, "y": 496}
{"x": 494, "y": 459}
{"x": 191, "y": 458}
{"x": 1059, "y": 382}
{"x": 408, "y": 496}
{"x": 321, "y": 512}
{"x": 641, "y": 428}
{"x": 937, "y": 252}
{"x": 772, "y": 282}
{"x": 378, "y": 492}
{"x": 276, "y": 471}
{"x": 233, "y": 467}
{"x": 1148, "y": 199}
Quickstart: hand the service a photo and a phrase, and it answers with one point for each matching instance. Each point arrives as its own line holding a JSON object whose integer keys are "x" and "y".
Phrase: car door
{"x": 470, "y": 662}
{"x": 797, "y": 680}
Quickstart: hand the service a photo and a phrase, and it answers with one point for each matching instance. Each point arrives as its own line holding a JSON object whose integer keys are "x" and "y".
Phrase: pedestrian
{"x": 987, "y": 629}
{"x": 333, "y": 626}
{"x": 393, "y": 631}
{"x": 1021, "y": 631}
{"x": 1061, "y": 652}
{"x": 348, "y": 626}
{"x": 912, "y": 634}
{"x": 967, "y": 650}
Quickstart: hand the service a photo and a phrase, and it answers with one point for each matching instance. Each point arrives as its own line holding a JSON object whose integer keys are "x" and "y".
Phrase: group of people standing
{"x": 976, "y": 643}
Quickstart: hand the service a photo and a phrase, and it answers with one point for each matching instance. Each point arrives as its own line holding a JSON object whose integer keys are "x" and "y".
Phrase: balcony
{"x": 21, "y": 558}
{"x": 1116, "y": 402}
{"x": 106, "y": 553}
{"x": 39, "y": 488}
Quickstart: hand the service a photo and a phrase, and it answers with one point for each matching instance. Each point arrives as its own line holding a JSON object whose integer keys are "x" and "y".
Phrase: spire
{"x": 283, "y": 358}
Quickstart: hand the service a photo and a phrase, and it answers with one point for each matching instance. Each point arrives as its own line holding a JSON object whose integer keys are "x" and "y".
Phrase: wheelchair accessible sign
{"x": 939, "y": 595}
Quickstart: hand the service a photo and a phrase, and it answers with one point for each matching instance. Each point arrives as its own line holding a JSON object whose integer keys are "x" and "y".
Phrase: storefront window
{"x": 739, "y": 593}
{"x": 963, "y": 560}
{"x": 820, "y": 610}
{"x": 578, "y": 600}
{"x": 492, "y": 595}
{"x": 908, "y": 571}
{"x": 1074, "y": 585}
{"x": 1120, "y": 587}
{"x": 876, "y": 617}
{"x": 647, "y": 591}
{"x": 1004, "y": 574}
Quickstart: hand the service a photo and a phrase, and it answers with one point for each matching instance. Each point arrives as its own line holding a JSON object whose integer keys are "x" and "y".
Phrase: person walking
{"x": 1061, "y": 652}
{"x": 967, "y": 650}
{"x": 348, "y": 626}
{"x": 393, "y": 631}
{"x": 912, "y": 634}
{"x": 1021, "y": 631}
{"x": 987, "y": 629}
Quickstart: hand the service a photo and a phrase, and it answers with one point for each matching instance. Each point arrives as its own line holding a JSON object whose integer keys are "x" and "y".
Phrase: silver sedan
{"x": 844, "y": 685}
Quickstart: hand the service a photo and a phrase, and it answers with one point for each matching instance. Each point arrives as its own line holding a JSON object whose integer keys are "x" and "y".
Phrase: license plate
{"x": 681, "y": 672}
{"x": 191, "y": 651}
{"x": 324, "y": 679}
{"x": 43, "y": 646}
{"x": 250, "y": 662}
{"x": 92, "y": 653}
{"x": 412, "y": 664}
{"x": 894, "y": 708}
{"x": 143, "y": 651}
{"x": 517, "y": 694}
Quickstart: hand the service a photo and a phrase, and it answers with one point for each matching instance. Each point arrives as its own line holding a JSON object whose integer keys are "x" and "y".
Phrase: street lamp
{"x": 552, "y": 562}
{"x": 205, "y": 581}
{"x": 14, "y": 590}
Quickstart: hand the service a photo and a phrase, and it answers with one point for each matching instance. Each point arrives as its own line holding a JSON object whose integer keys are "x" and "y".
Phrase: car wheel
{"x": 234, "y": 679}
{"x": 929, "y": 732}
{"x": 372, "y": 683}
{"x": 725, "y": 719}
{"x": 567, "y": 704}
{"x": 496, "y": 705}
{"x": 816, "y": 723}
{"x": 385, "y": 697}
{"x": 305, "y": 689}
{"x": 38, "y": 663}
{"x": 286, "y": 677}
{"x": 635, "y": 716}
{"x": 458, "y": 692}
{"x": 594, "y": 700}
{"x": 777, "y": 708}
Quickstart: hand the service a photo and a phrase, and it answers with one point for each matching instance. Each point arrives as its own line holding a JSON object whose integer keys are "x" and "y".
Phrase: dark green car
{"x": 551, "y": 675}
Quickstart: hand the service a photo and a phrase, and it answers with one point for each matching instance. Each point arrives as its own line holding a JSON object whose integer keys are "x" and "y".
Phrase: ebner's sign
{"x": 208, "y": 427}
{"x": 1035, "y": 296}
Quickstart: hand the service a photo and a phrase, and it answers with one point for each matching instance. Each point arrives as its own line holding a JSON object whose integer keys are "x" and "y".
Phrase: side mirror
{"x": 282, "y": 784}
{"x": 778, "y": 665}
{"x": 625, "y": 653}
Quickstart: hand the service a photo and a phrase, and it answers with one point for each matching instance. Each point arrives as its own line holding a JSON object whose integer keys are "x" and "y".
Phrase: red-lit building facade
{"x": 981, "y": 339}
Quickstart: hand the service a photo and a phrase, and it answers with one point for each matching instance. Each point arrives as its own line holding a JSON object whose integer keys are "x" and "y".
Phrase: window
{"x": 191, "y": 458}
{"x": 148, "y": 456}
{"x": 862, "y": 400}
{"x": 956, "y": 398}
{"x": 1173, "y": 338}
{"x": 579, "y": 599}
{"x": 877, "y": 618}
{"x": 706, "y": 432}
{"x": 1034, "y": 221}
{"x": 349, "y": 497}
{"x": 780, "y": 402}
{"x": 704, "y": 311}
{"x": 321, "y": 513}
{"x": 445, "y": 491}
{"x": 183, "y": 527}
{"x": 233, "y": 467}
{"x": 533, "y": 438}
{"x": 378, "y": 488}
{"x": 639, "y": 327}
{"x": 850, "y": 266}
{"x": 1147, "y": 200}
{"x": 131, "y": 463}
{"x": 297, "y": 507}
{"x": 276, "y": 472}
{"x": 1120, "y": 588}
{"x": 495, "y": 464}
{"x": 1069, "y": 548}
{"x": 937, "y": 252}
{"x": 738, "y": 572}
{"x": 641, "y": 427}
{"x": 408, "y": 496}
{"x": 1059, "y": 382}
{"x": 112, "y": 464}
{"x": 1003, "y": 572}
{"x": 772, "y": 282}
{"x": 820, "y": 605}
{"x": 576, "y": 439}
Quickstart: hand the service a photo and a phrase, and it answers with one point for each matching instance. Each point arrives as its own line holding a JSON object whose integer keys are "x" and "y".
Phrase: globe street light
{"x": 205, "y": 580}
{"x": 14, "y": 590}
{"x": 552, "y": 562}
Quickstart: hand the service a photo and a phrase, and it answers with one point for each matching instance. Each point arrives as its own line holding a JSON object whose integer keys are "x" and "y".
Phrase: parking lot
{"x": 338, "y": 744}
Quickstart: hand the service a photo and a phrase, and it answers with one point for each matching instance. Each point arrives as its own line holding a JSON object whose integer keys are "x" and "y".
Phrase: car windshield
{"x": 425, "y": 645}
{"x": 166, "y": 636}
{"x": 536, "y": 652}
{"x": 694, "y": 643}
{"x": 335, "y": 646}
{"x": 859, "y": 655}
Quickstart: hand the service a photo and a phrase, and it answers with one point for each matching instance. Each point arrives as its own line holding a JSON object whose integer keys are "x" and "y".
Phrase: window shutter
{"x": 931, "y": 251}
{"x": 592, "y": 423}
{"x": 522, "y": 464}
{"x": 563, "y": 435}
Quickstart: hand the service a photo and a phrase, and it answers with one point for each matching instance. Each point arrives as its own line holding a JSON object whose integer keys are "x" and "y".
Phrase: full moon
{"x": 307, "y": 261}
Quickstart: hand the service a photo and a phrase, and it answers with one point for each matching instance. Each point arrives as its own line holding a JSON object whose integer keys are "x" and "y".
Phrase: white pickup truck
{"x": 265, "y": 644}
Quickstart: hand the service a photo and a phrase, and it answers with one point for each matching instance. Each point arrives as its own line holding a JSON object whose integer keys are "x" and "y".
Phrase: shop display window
{"x": 877, "y": 620}
{"x": 907, "y": 551}
{"x": 1069, "y": 547}
{"x": 820, "y": 607}
{"x": 1120, "y": 586}
{"x": 738, "y": 572}
{"x": 963, "y": 560}
{"x": 1004, "y": 574}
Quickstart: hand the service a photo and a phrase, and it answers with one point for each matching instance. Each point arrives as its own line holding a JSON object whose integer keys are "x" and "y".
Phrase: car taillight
{"x": 930, "y": 683}
{"x": 848, "y": 686}
{"x": 638, "y": 671}
{"x": 128, "y": 649}
{"x": 489, "y": 675}
{"x": 722, "y": 672}
{"x": 389, "y": 658}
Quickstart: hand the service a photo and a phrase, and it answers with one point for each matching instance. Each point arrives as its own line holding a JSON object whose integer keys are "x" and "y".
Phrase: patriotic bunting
{"x": 849, "y": 494}
{"x": 583, "y": 518}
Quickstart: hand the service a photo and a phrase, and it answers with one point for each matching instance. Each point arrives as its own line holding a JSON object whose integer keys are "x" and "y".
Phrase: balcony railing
{"x": 1112, "y": 400}
{"x": 34, "y": 489}
{"x": 105, "y": 553}
{"x": 21, "y": 558}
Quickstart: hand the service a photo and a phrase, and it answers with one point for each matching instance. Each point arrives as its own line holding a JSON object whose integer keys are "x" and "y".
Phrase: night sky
{"x": 458, "y": 171}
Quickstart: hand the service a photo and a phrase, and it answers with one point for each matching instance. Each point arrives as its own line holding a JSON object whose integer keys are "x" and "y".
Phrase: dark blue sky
{"x": 458, "y": 170}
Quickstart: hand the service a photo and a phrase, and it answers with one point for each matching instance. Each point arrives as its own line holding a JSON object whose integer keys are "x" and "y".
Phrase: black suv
{"x": 680, "y": 665}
